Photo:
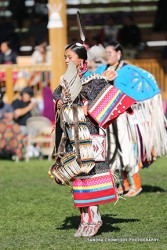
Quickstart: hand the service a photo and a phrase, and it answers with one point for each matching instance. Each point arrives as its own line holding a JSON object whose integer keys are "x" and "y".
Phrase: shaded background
{"x": 24, "y": 22}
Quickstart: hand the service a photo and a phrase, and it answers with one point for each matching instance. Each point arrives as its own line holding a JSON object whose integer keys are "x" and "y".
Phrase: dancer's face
{"x": 113, "y": 56}
{"x": 71, "y": 55}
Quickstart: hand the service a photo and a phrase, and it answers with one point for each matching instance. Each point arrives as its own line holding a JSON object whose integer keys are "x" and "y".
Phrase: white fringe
{"x": 149, "y": 118}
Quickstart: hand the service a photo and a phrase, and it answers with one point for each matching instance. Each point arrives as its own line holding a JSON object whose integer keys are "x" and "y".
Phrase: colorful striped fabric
{"x": 109, "y": 104}
{"x": 94, "y": 190}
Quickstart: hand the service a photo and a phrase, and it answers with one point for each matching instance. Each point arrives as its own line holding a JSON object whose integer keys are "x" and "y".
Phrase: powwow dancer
{"x": 140, "y": 138}
{"x": 92, "y": 181}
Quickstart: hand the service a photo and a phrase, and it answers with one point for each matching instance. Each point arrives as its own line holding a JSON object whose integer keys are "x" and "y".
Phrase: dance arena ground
{"x": 37, "y": 214}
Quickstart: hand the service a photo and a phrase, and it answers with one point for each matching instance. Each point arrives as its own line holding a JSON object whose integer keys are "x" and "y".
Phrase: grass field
{"x": 37, "y": 214}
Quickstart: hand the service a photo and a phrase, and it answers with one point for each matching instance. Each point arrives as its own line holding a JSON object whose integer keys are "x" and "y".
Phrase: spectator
{"x": 23, "y": 108}
{"x": 8, "y": 33}
{"x": 164, "y": 53}
{"x": 18, "y": 10}
{"x": 40, "y": 55}
{"x": 160, "y": 22}
{"x": 38, "y": 30}
{"x": 129, "y": 37}
{"x": 7, "y": 55}
{"x": 109, "y": 31}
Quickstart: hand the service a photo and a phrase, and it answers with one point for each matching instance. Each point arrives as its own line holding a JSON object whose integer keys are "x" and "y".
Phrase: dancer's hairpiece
{"x": 82, "y": 35}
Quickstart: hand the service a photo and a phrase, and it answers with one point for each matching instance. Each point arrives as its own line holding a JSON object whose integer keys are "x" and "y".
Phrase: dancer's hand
{"x": 59, "y": 104}
{"x": 85, "y": 109}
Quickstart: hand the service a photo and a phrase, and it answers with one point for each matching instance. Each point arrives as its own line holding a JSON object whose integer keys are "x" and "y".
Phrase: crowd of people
{"x": 124, "y": 30}
{"x": 16, "y": 114}
{"x": 24, "y": 104}
{"x": 128, "y": 35}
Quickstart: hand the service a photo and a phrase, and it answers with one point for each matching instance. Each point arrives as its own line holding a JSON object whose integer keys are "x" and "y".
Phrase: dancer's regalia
{"x": 92, "y": 180}
{"x": 136, "y": 141}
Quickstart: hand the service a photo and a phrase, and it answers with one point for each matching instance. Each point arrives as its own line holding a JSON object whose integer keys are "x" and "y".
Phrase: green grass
{"x": 36, "y": 213}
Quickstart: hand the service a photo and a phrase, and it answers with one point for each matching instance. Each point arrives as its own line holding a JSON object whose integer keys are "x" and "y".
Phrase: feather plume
{"x": 82, "y": 36}
{"x": 71, "y": 80}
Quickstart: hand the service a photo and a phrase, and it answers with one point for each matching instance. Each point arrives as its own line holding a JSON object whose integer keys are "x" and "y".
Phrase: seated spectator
{"x": 160, "y": 21}
{"x": 18, "y": 10}
{"x": 40, "y": 54}
{"x": 38, "y": 29}
{"x": 129, "y": 36}
{"x": 7, "y": 55}
{"x": 24, "y": 107}
{"x": 109, "y": 31}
